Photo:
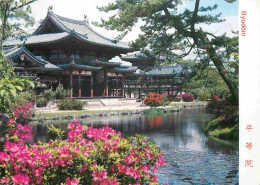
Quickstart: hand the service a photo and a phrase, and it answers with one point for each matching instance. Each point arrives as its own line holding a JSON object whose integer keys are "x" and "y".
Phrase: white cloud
{"x": 231, "y": 24}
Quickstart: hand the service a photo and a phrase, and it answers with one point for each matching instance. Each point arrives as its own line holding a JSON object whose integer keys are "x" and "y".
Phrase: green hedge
{"x": 70, "y": 104}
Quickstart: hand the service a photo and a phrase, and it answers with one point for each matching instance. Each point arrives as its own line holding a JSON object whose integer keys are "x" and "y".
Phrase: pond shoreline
{"x": 115, "y": 113}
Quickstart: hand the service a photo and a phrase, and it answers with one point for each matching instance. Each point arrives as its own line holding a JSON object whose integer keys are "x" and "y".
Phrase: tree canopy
{"x": 174, "y": 33}
{"x": 15, "y": 16}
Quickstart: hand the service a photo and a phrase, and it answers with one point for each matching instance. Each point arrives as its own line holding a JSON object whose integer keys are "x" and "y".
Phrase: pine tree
{"x": 172, "y": 33}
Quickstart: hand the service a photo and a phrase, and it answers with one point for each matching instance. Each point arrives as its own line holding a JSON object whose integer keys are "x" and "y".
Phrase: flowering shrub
{"x": 23, "y": 112}
{"x": 89, "y": 156}
{"x": 215, "y": 106}
{"x": 19, "y": 133}
{"x": 167, "y": 94}
{"x": 153, "y": 99}
{"x": 186, "y": 97}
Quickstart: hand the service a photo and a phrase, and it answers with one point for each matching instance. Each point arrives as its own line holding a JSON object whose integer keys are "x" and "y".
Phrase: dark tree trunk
{"x": 221, "y": 70}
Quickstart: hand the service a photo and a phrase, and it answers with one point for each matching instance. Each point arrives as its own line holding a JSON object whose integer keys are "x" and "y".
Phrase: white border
{"x": 249, "y": 85}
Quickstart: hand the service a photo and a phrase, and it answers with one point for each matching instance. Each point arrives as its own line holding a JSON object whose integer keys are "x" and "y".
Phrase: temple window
{"x": 57, "y": 53}
{"x": 75, "y": 54}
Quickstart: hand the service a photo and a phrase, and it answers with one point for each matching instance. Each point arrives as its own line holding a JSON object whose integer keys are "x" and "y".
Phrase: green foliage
{"x": 170, "y": 32}
{"x": 226, "y": 133}
{"x": 9, "y": 89}
{"x": 6, "y": 67}
{"x": 41, "y": 102}
{"x": 70, "y": 104}
{"x": 222, "y": 128}
{"x": 212, "y": 124}
{"x": 206, "y": 83}
{"x": 165, "y": 101}
{"x": 61, "y": 93}
{"x": 57, "y": 131}
{"x": 25, "y": 97}
{"x": 49, "y": 94}
{"x": 20, "y": 11}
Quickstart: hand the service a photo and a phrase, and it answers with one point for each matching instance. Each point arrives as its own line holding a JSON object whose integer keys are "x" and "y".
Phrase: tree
{"x": 18, "y": 10}
{"x": 174, "y": 34}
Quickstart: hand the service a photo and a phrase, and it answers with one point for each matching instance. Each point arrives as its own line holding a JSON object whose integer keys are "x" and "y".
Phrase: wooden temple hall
{"x": 69, "y": 52}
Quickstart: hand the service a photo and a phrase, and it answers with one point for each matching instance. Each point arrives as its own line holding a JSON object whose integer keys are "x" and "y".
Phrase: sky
{"x": 76, "y": 9}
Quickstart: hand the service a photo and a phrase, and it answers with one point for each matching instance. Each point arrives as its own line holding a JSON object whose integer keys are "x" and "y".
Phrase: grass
{"x": 216, "y": 128}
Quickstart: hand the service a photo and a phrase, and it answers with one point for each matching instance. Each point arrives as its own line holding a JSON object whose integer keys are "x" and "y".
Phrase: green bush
{"x": 70, "y": 104}
{"x": 25, "y": 97}
{"x": 61, "y": 93}
{"x": 49, "y": 94}
{"x": 41, "y": 102}
{"x": 221, "y": 128}
{"x": 165, "y": 101}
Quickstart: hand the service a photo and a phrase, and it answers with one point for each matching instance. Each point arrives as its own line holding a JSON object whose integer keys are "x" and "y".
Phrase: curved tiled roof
{"x": 176, "y": 70}
{"x": 18, "y": 51}
{"x": 82, "y": 29}
{"x": 78, "y": 66}
{"x": 35, "y": 39}
{"x": 124, "y": 69}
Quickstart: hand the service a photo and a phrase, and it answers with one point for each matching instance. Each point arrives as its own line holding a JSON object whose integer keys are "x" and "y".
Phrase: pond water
{"x": 190, "y": 156}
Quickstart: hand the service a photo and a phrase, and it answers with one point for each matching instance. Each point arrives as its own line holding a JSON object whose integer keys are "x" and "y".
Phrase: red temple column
{"x": 71, "y": 85}
{"x": 123, "y": 86}
{"x": 91, "y": 85}
{"x": 129, "y": 92}
{"x": 79, "y": 85}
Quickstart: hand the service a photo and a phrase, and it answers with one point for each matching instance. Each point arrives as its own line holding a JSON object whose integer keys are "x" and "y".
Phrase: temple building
{"x": 70, "y": 52}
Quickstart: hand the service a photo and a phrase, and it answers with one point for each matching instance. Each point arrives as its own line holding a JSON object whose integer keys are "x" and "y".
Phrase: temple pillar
{"x": 91, "y": 85}
{"x": 106, "y": 81}
{"x": 129, "y": 92}
{"x": 79, "y": 85}
{"x": 116, "y": 85}
{"x": 113, "y": 84}
{"x": 123, "y": 86}
{"x": 71, "y": 85}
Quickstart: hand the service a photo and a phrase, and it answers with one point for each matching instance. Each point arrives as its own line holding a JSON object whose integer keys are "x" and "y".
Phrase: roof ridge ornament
{"x": 86, "y": 18}
{"x": 50, "y": 8}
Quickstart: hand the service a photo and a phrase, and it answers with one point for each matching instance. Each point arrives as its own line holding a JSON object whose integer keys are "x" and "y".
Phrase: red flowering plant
{"x": 89, "y": 156}
{"x": 186, "y": 97}
{"x": 153, "y": 99}
{"x": 215, "y": 106}
{"x": 23, "y": 112}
